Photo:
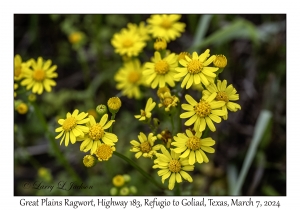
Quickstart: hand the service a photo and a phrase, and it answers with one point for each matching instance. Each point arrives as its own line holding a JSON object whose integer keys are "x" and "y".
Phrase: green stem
{"x": 112, "y": 118}
{"x": 137, "y": 167}
{"x": 172, "y": 123}
{"x": 55, "y": 147}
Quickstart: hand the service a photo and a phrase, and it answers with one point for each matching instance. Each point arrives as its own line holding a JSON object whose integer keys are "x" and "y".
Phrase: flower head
{"x": 15, "y": 87}
{"x": 72, "y": 127}
{"x": 166, "y": 137}
{"x": 128, "y": 42}
{"x": 89, "y": 161}
{"x": 146, "y": 114}
{"x": 22, "y": 108}
{"x": 165, "y": 26}
{"x": 224, "y": 93}
{"x": 114, "y": 104}
{"x": 161, "y": 71}
{"x": 195, "y": 70}
{"x": 96, "y": 134}
{"x": 220, "y": 61}
{"x": 40, "y": 76}
{"x": 182, "y": 56}
{"x": 172, "y": 166}
{"x": 161, "y": 91}
{"x": 19, "y": 67}
{"x": 192, "y": 146}
{"x": 129, "y": 78}
{"x": 168, "y": 101}
{"x": 145, "y": 147}
{"x": 76, "y": 37}
{"x": 160, "y": 44}
{"x": 104, "y": 152}
{"x": 203, "y": 112}
{"x": 118, "y": 181}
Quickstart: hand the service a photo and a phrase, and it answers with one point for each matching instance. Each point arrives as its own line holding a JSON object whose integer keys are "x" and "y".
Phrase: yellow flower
{"x": 129, "y": 78}
{"x": 220, "y": 61}
{"x": 160, "y": 44}
{"x": 202, "y": 113}
{"x": 75, "y": 37}
{"x": 146, "y": 114}
{"x": 118, "y": 181}
{"x": 165, "y": 26}
{"x": 32, "y": 97}
{"x": 114, "y": 104}
{"x": 193, "y": 146}
{"x": 145, "y": 147}
{"x": 22, "y": 108}
{"x": 128, "y": 42}
{"x": 166, "y": 137}
{"x": 89, "y": 161}
{"x": 224, "y": 93}
{"x": 195, "y": 70}
{"x": 142, "y": 30}
{"x": 172, "y": 166}
{"x": 168, "y": 101}
{"x": 72, "y": 127}
{"x": 95, "y": 133}
{"x": 104, "y": 152}
{"x": 161, "y": 71}
{"x": 40, "y": 76}
{"x": 161, "y": 91}
{"x": 19, "y": 67}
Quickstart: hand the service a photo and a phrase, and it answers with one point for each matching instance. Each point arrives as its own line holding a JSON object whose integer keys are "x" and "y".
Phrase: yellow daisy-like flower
{"x": 128, "y": 42}
{"x": 129, "y": 78}
{"x": 142, "y": 30}
{"x": 224, "y": 93}
{"x": 96, "y": 133}
{"x": 104, "y": 152}
{"x": 72, "y": 127}
{"x": 161, "y": 71}
{"x": 195, "y": 70}
{"x": 146, "y": 114}
{"x": 172, "y": 166}
{"x": 193, "y": 146}
{"x": 165, "y": 26}
{"x": 40, "y": 76}
{"x": 146, "y": 146}
{"x": 168, "y": 101}
{"x": 203, "y": 112}
{"x": 19, "y": 66}
{"x": 118, "y": 181}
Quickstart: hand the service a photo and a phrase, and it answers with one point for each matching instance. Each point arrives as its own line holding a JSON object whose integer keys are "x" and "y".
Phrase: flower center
{"x": 127, "y": 43}
{"x": 194, "y": 67}
{"x": 104, "y": 152}
{"x": 145, "y": 147}
{"x": 167, "y": 101}
{"x": 161, "y": 67}
{"x": 222, "y": 96}
{"x": 39, "y": 75}
{"x": 96, "y": 132}
{"x": 69, "y": 123}
{"x": 18, "y": 71}
{"x": 193, "y": 143}
{"x": 166, "y": 24}
{"x": 174, "y": 166}
{"x": 133, "y": 77}
{"x": 202, "y": 109}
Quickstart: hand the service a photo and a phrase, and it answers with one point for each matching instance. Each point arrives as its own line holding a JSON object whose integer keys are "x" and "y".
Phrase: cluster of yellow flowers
{"x": 94, "y": 137}
{"x": 168, "y": 72}
{"x": 121, "y": 185}
{"x": 36, "y": 75}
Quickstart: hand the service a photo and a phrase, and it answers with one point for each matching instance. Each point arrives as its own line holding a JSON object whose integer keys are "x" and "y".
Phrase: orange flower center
{"x": 161, "y": 67}
{"x": 96, "y": 132}
{"x": 133, "y": 77}
{"x": 174, "y": 166}
{"x": 39, "y": 75}
{"x": 145, "y": 147}
{"x": 69, "y": 123}
{"x": 193, "y": 143}
{"x": 127, "y": 43}
{"x": 202, "y": 109}
{"x": 194, "y": 67}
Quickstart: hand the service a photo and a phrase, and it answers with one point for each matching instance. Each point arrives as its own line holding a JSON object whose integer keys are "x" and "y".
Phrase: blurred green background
{"x": 255, "y": 47}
